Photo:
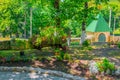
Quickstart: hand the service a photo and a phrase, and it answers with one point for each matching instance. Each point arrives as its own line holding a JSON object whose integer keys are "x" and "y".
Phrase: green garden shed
{"x": 99, "y": 30}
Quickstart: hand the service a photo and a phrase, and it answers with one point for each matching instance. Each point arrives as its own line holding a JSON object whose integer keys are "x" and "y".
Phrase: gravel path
{"x": 27, "y": 76}
{"x": 30, "y": 73}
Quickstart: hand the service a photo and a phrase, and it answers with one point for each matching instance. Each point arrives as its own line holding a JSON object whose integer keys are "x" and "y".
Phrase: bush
{"x": 15, "y": 44}
{"x": 19, "y": 44}
{"x": 86, "y": 43}
{"x": 5, "y": 45}
{"x": 53, "y": 37}
{"x": 63, "y": 56}
{"x": 118, "y": 45}
{"x": 75, "y": 43}
{"x": 105, "y": 66}
{"x": 67, "y": 56}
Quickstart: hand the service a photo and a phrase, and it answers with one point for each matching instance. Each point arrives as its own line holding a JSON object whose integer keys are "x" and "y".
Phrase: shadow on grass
{"x": 80, "y": 53}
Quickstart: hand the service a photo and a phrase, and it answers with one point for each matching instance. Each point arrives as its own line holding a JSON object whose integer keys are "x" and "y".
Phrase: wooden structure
{"x": 99, "y": 30}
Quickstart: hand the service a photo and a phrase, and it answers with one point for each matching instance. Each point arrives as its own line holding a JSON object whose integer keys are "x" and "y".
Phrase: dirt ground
{"x": 113, "y": 54}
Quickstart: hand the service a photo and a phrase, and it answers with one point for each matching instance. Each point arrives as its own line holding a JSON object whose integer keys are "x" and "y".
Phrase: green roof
{"x": 98, "y": 25}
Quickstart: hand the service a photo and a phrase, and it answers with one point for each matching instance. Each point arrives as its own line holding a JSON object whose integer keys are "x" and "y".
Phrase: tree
{"x": 57, "y": 13}
{"x": 86, "y": 11}
{"x": 70, "y": 15}
{"x": 84, "y": 22}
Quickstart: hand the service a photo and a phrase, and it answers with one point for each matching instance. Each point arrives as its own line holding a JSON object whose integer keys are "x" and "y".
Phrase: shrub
{"x": 67, "y": 56}
{"x": 105, "y": 65}
{"x": 86, "y": 43}
{"x": 59, "y": 58}
{"x": 63, "y": 56}
{"x": 74, "y": 43}
{"x": 90, "y": 48}
{"x": 15, "y": 44}
{"x": 19, "y": 44}
{"x": 118, "y": 45}
{"x": 57, "y": 51}
{"x": 5, "y": 45}
{"x": 53, "y": 37}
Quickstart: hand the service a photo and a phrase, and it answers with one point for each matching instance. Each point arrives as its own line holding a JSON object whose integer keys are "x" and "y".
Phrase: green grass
{"x": 13, "y": 55}
{"x": 75, "y": 43}
{"x": 76, "y": 53}
{"x": 31, "y": 54}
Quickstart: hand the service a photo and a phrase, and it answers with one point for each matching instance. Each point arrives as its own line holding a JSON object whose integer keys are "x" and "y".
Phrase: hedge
{"x": 14, "y": 44}
{"x": 5, "y": 45}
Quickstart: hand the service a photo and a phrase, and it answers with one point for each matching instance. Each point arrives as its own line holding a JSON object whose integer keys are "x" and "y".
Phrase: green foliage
{"x": 63, "y": 56}
{"x": 89, "y": 48}
{"x": 19, "y": 44}
{"x": 117, "y": 31}
{"x": 86, "y": 43}
{"x": 5, "y": 45}
{"x": 14, "y": 56}
{"x": 38, "y": 41}
{"x": 49, "y": 36}
{"x": 57, "y": 50}
{"x": 32, "y": 42}
{"x": 67, "y": 56}
{"x": 59, "y": 58}
{"x": 75, "y": 43}
{"x": 105, "y": 65}
{"x": 14, "y": 44}
{"x": 15, "y": 15}
{"x": 52, "y": 34}
{"x": 118, "y": 44}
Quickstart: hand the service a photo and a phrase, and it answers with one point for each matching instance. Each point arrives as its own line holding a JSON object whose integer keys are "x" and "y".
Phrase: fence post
{"x": 68, "y": 41}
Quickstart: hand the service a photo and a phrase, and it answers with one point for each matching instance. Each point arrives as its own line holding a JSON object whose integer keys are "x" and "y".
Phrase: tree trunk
{"x": 57, "y": 18}
{"x": 110, "y": 18}
{"x": 25, "y": 26}
{"x": 83, "y": 35}
{"x": 114, "y": 29}
{"x": 30, "y": 22}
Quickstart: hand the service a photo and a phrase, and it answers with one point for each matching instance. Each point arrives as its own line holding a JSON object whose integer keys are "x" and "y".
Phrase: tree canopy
{"x": 17, "y": 16}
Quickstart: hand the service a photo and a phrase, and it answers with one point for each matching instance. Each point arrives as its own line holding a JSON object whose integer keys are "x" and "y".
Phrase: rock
{"x": 117, "y": 72}
{"x": 93, "y": 68}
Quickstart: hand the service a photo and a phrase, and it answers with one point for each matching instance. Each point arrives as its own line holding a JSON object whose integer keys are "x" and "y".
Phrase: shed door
{"x": 102, "y": 38}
